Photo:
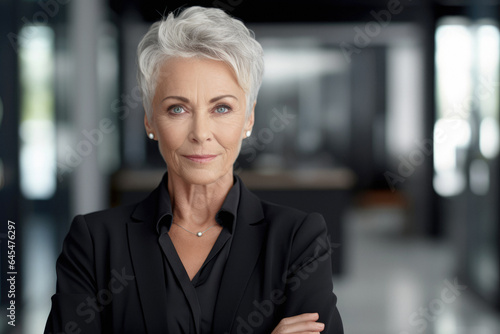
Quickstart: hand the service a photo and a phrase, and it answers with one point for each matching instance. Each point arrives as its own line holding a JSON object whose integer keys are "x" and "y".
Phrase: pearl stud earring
{"x": 151, "y": 135}
{"x": 248, "y": 133}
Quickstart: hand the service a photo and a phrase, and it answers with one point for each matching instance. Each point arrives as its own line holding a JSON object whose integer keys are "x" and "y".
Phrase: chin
{"x": 201, "y": 176}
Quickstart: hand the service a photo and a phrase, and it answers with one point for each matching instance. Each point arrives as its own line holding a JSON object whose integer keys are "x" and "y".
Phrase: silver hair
{"x": 206, "y": 33}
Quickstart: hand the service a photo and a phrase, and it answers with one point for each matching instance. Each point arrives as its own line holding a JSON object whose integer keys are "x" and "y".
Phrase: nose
{"x": 200, "y": 128}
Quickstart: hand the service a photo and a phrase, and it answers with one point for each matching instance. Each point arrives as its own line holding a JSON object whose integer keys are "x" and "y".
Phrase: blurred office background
{"x": 382, "y": 115}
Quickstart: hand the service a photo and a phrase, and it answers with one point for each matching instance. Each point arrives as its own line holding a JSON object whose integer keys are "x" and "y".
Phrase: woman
{"x": 201, "y": 254}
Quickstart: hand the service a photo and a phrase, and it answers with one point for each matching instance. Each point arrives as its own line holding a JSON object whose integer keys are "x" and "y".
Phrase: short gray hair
{"x": 206, "y": 33}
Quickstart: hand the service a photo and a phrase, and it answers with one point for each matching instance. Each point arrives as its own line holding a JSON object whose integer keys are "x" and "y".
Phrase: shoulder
{"x": 273, "y": 210}
{"x": 295, "y": 235}
{"x": 293, "y": 229}
{"x": 283, "y": 221}
{"x": 98, "y": 224}
{"x": 278, "y": 216}
{"x": 112, "y": 223}
{"x": 281, "y": 216}
{"x": 144, "y": 210}
{"x": 109, "y": 216}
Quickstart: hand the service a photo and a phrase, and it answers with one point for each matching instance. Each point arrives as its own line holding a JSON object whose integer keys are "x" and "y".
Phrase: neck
{"x": 195, "y": 204}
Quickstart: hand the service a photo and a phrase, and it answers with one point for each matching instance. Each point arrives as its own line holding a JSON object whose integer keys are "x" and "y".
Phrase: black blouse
{"x": 191, "y": 303}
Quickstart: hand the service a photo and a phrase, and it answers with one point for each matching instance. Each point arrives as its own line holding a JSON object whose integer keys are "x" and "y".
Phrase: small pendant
{"x": 199, "y": 234}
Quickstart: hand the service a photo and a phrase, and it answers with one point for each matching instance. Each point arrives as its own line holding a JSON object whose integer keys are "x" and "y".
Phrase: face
{"x": 198, "y": 118}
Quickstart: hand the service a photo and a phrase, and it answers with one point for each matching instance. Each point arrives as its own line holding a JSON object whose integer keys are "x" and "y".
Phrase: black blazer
{"x": 110, "y": 275}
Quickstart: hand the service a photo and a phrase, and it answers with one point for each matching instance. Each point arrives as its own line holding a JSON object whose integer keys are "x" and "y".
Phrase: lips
{"x": 201, "y": 158}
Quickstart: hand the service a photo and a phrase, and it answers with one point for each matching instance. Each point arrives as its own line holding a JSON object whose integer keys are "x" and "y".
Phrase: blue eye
{"x": 177, "y": 110}
{"x": 222, "y": 109}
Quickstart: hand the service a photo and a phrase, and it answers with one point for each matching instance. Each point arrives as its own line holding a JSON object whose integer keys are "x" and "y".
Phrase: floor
{"x": 395, "y": 284}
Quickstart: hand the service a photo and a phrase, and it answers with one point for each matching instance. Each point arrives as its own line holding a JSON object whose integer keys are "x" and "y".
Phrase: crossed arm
{"x": 311, "y": 303}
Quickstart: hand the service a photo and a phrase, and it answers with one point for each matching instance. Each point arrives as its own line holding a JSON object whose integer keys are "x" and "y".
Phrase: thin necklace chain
{"x": 199, "y": 234}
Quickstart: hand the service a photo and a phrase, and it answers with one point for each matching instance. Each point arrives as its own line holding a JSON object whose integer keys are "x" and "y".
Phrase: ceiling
{"x": 313, "y": 10}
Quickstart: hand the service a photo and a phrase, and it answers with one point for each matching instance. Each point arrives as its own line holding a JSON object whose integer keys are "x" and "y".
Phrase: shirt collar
{"x": 226, "y": 216}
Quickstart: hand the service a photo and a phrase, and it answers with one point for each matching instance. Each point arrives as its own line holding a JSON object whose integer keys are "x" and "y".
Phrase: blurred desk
{"x": 307, "y": 179}
{"x": 327, "y": 191}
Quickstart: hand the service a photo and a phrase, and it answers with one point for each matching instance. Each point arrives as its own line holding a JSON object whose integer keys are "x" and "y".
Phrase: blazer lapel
{"x": 245, "y": 249}
{"x": 147, "y": 261}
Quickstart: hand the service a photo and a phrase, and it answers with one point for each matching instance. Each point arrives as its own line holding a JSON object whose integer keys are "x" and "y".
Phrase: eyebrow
{"x": 217, "y": 98}
{"x": 221, "y": 97}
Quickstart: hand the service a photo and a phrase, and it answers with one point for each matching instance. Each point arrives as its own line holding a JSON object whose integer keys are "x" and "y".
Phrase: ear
{"x": 250, "y": 119}
{"x": 147, "y": 125}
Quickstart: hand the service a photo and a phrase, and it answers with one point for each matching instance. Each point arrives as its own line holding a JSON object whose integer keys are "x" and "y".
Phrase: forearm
{"x": 309, "y": 286}
{"x": 74, "y": 306}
